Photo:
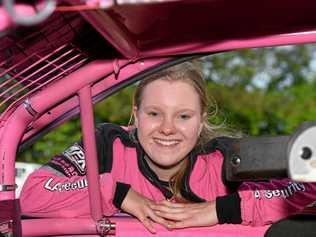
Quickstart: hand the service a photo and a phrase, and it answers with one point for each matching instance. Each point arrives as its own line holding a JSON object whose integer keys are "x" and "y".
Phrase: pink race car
{"x": 60, "y": 57}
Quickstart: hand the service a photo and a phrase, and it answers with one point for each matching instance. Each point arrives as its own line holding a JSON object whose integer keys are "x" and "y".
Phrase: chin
{"x": 166, "y": 163}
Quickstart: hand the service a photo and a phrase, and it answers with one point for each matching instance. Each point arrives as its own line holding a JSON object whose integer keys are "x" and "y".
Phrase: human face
{"x": 168, "y": 123}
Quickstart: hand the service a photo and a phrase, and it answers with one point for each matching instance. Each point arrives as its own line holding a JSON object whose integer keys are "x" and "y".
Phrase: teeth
{"x": 166, "y": 142}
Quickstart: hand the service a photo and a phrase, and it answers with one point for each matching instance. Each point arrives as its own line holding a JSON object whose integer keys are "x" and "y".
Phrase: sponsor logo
{"x": 286, "y": 192}
{"x": 65, "y": 165}
{"x": 75, "y": 155}
{"x": 66, "y": 186}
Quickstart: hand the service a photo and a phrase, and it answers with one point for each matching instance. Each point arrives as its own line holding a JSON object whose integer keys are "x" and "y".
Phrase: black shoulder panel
{"x": 105, "y": 135}
{"x": 72, "y": 161}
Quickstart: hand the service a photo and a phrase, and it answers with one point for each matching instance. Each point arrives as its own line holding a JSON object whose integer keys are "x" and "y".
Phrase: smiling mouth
{"x": 166, "y": 142}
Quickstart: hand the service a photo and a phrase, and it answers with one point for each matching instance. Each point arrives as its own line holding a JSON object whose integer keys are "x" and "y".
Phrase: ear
{"x": 135, "y": 109}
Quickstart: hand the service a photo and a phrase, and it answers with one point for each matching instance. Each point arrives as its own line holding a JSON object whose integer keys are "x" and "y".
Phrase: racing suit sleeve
{"x": 46, "y": 193}
{"x": 261, "y": 203}
{"x": 60, "y": 188}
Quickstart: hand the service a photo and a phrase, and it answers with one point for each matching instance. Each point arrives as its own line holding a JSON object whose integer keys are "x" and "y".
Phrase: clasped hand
{"x": 169, "y": 214}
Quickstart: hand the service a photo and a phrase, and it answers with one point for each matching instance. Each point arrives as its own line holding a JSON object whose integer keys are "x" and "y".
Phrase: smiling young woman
{"x": 172, "y": 120}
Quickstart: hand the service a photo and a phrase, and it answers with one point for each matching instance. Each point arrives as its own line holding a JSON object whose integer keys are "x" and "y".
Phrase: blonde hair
{"x": 191, "y": 73}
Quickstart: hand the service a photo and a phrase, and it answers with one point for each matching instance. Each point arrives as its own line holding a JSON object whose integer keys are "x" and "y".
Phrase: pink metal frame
{"x": 87, "y": 122}
{"x": 127, "y": 226}
{"x": 87, "y": 82}
{"x": 124, "y": 43}
{"x": 17, "y": 121}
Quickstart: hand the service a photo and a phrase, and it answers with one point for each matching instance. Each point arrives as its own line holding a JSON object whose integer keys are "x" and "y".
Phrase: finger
{"x": 167, "y": 206}
{"x": 171, "y": 204}
{"x": 163, "y": 208}
{"x": 148, "y": 225}
{"x": 158, "y": 219}
{"x": 173, "y": 216}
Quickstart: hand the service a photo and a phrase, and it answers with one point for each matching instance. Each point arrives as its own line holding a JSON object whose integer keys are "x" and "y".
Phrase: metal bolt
{"x": 235, "y": 160}
{"x": 306, "y": 153}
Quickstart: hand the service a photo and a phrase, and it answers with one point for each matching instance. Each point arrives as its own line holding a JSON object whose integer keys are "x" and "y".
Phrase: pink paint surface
{"x": 127, "y": 227}
{"x": 131, "y": 227}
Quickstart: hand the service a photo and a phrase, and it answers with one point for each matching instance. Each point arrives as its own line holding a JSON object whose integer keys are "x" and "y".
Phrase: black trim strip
{"x": 120, "y": 194}
{"x": 106, "y": 133}
{"x": 149, "y": 174}
{"x": 228, "y": 209}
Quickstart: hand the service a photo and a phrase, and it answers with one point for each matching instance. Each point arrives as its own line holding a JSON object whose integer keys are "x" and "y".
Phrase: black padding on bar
{"x": 296, "y": 226}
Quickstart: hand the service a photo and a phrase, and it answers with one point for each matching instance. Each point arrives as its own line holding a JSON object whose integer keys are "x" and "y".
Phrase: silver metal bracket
{"x": 29, "y": 108}
{"x": 105, "y": 227}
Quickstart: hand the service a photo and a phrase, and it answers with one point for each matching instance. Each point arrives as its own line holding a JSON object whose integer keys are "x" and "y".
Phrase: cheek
{"x": 191, "y": 127}
{"x": 191, "y": 130}
{"x": 146, "y": 126}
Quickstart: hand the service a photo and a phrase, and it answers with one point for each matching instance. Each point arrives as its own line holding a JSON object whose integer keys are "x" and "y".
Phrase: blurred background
{"x": 267, "y": 91}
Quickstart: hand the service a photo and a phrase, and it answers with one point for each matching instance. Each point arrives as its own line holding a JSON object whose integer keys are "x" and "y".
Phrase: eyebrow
{"x": 178, "y": 111}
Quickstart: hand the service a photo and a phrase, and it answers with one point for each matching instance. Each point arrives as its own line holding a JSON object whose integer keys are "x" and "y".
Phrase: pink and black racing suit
{"x": 59, "y": 188}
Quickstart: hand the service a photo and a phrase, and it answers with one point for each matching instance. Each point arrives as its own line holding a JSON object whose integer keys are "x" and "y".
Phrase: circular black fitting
{"x": 235, "y": 160}
{"x": 306, "y": 153}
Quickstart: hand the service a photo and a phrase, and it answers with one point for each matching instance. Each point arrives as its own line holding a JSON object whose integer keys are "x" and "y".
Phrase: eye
{"x": 184, "y": 116}
{"x": 152, "y": 114}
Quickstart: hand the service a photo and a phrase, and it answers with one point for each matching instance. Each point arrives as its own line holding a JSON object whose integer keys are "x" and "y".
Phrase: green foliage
{"x": 264, "y": 91}
{"x": 116, "y": 109}
{"x": 258, "y": 91}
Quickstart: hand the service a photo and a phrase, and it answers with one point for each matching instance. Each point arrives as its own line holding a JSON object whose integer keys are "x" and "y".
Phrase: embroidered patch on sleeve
{"x": 75, "y": 155}
{"x": 284, "y": 192}
{"x": 54, "y": 186}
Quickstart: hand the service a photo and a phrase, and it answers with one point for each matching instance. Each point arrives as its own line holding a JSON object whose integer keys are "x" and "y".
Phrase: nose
{"x": 167, "y": 126}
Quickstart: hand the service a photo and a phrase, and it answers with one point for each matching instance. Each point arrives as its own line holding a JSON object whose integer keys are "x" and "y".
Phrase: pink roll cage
{"x": 50, "y": 71}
